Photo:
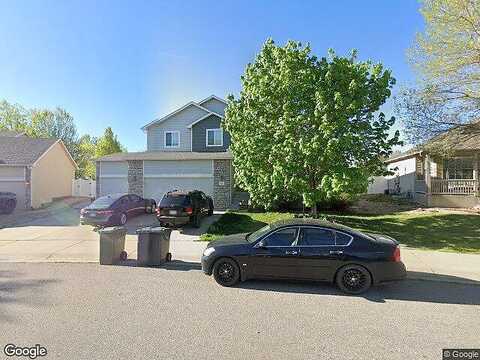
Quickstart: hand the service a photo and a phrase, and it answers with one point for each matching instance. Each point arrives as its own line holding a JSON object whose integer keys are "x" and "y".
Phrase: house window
{"x": 214, "y": 137}
{"x": 172, "y": 139}
{"x": 458, "y": 168}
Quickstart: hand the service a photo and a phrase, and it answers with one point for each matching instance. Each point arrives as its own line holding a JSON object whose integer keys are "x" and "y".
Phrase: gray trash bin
{"x": 153, "y": 247}
{"x": 112, "y": 243}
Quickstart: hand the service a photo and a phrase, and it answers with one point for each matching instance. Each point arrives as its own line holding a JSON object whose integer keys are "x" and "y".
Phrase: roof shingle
{"x": 23, "y": 150}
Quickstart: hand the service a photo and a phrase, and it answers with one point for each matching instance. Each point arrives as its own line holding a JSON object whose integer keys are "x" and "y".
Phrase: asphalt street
{"x": 88, "y": 311}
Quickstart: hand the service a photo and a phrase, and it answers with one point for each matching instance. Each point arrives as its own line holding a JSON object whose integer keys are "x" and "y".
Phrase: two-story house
{"x": 186, "y": 149}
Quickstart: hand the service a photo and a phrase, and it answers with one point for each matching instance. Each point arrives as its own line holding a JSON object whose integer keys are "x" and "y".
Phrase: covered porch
{"x": 451, "y": 181}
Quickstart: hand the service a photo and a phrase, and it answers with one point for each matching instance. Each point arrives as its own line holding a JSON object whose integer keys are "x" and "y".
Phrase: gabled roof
{"x": 204, "y": 117}
{"x": 25, "y": 151}
{"x": 212, "y": 97}
{"x": 191, "y": 103}
{"x": 160, "y": 120}
{"x": 460, "y": 137}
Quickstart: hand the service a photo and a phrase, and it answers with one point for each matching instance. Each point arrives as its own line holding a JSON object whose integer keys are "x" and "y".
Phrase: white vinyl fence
{"x": 84, "y": 187}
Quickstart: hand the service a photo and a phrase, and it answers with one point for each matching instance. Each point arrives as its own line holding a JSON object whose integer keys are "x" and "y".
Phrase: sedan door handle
{"x": 336, "y": 252}
{"x": 291, "y": 252}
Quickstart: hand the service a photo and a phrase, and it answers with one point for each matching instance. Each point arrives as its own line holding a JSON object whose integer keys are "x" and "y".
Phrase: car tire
{"x": 123, "y": 219}
{"x": 353, "y": 279}
{"x": 151, "y": 208}
{"x": 226, "y": 272}
{"x": 210, "y": 211}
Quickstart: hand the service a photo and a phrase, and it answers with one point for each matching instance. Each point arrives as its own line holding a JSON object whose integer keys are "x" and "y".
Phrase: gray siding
{"x": 178, "y": 122}
{"x": 199, "y": 135}
{"x": 215, "y": 106}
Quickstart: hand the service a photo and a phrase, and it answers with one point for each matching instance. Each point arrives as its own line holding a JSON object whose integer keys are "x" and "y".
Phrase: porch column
{"x": 475, "y": 174}
{"x": 428, "y": 181}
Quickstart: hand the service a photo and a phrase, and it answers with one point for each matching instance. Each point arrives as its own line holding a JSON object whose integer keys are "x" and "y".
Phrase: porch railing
{"x": 454, "y": 187}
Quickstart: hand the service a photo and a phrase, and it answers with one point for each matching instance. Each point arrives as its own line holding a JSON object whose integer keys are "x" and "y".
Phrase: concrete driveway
{"x": 59, "y": 237}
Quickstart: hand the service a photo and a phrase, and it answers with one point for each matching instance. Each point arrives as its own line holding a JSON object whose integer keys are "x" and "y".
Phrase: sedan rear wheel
{"x": 226, "y": 272}
{"x": 353, "y": 279}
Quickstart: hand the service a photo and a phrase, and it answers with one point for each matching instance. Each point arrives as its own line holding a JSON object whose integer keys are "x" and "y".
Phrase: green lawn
{"x": 448, "y": 231}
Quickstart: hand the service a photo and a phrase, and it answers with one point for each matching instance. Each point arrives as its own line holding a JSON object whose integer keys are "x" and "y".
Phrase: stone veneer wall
{"x": 222, "y": 178}
{"x": 135, "y": 177}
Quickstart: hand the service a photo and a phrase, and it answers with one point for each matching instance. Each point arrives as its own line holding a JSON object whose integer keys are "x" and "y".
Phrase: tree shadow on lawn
{"x": 458, "y": 232}
{"x": 234, "y": 223}
{"x": 408, "y": 290}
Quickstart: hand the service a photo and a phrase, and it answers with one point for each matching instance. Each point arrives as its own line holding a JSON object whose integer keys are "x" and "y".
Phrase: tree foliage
{"x": 59, "y": 124}
{"x": 447, "y": 59}
{"x": 108, "y": 144}
{"x": 305, "y": 127}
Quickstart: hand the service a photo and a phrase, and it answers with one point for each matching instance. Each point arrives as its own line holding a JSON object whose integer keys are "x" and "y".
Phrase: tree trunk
{"x": 314, "y": 209}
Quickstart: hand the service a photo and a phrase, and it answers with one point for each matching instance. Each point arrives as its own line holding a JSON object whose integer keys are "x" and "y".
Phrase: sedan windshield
{"x": 257, "y": 234}
{"x": 103, "y": 202}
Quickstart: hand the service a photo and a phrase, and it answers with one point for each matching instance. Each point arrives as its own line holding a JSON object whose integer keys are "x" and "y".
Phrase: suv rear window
{"x": 175, "y": 200}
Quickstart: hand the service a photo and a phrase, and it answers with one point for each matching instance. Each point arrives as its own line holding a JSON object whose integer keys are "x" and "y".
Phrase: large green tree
{"x": 447, "y": 59}
{"x": 306, "y": 128}
{"x": 108, "y": 144}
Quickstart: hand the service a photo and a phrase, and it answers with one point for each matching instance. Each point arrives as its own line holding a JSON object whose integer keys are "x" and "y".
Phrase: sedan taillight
{"x": 189, "y": 210}
{"x": 396, "y": 254}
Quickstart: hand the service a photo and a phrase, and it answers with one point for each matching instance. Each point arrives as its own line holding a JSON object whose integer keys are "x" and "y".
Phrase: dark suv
{"x": 183, "y": 207}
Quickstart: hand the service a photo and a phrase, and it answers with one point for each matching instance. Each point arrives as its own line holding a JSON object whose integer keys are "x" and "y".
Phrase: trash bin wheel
{"x": 168, "y": 257}
{"x": 123, "y": 255}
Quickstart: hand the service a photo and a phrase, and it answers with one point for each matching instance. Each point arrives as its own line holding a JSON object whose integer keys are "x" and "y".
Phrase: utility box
{"x": 153, "y": 247}
{"x": 112, "y": 243}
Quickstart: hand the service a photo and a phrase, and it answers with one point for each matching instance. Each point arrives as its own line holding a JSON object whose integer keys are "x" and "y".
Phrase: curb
{"x": 442, "y": 279}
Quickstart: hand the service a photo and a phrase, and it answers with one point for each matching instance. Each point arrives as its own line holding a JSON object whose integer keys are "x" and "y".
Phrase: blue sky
{"x": 124, "y": 63}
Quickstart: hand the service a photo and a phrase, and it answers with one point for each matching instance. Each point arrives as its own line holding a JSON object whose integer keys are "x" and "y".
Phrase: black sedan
{"x": 306, "y": 249}
{"x": 115, "y": 209}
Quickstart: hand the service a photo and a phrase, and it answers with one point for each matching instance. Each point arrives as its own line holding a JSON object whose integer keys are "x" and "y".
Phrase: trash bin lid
{"x": 112, "y": 229}
{"x": 151, "y": 229}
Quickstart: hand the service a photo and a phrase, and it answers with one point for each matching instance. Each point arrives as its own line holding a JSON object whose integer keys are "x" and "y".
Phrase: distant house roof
{"x": 405, "y": 155}
{"x": 166, "y": 155}
{"x": 11, "y": 133}
{"x": 23, "y": 150}
{"x": 461, "y": 137}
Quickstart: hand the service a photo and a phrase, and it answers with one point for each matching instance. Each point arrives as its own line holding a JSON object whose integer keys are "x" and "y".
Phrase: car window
{"x": 317, "y": 237}
{"x": 283, "y": 237}
{"x": 103, "y": 202}
{"x": 258, "y": 234}
{"x": 342, "y": 239}
{"x": 134, "y": 198}
{"x": 175, "y": 200}
{"x": 124, "y": 200}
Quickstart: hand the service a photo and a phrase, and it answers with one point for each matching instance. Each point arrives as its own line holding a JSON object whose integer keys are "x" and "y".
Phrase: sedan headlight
{"x": 208, "y": 251}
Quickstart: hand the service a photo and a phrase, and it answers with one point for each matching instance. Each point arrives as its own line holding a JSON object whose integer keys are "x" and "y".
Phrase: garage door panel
{"x": 155, "y": 188}
{"x": 114, "y": 168}
{"x": 113, "y": 186}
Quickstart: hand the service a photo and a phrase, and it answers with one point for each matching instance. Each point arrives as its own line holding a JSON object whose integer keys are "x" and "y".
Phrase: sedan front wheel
{"x": 226, "y": 272}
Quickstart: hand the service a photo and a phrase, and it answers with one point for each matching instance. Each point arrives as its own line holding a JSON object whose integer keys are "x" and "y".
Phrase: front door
{"x": 278, "y": 258}
{"x": 317, "y": 253}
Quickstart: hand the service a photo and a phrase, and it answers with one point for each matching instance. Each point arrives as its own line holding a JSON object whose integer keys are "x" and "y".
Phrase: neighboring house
{"x": 36, "y": 170}
{"x": 443, "y": 172}
{"x": 186, "y": 149}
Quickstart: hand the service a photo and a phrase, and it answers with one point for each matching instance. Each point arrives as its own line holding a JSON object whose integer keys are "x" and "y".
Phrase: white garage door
{"x": 12, "y": 179}
{"x": 163, "y": 176}
{"x": 113, "y": 177}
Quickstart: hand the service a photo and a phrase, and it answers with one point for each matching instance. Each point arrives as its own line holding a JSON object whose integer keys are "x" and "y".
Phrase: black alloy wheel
{"x": 354, "y": 279}
{"x": 226, "y": 272}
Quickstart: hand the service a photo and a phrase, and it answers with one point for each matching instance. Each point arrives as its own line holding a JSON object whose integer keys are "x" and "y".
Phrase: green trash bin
{"x": 112, "y": 243}
{"x": 153, "y": 246}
